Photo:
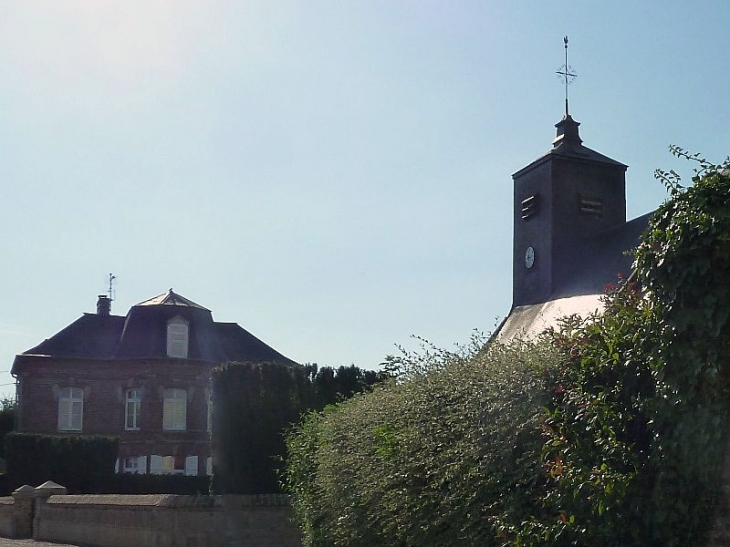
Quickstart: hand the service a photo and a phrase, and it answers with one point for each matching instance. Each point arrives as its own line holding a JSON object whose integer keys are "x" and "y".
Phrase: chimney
{"x": 103, "y": 305}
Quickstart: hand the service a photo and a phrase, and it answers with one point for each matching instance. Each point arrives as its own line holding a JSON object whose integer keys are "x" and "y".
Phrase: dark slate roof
{"x": 142, "y": 334}
{"x": 171, "y": 298}
{"x": 91, "y": 336}
{"x": 568, "y": 144}
{"x": 597, "y": 261}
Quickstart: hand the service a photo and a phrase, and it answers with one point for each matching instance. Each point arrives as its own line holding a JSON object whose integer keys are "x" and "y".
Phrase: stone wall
{"x": 6, "y": 517}
{"x": 157, "y": 520}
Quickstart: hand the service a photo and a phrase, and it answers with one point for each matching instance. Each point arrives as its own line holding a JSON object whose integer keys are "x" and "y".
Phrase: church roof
{"x": 586, "y": 272}
{"x": 568, "y": 144}
{"x": 595, "y": 262}
{"x": 582, "y": 266}
{"x": 142, "y": 334}
{"x": 527, "y": 322}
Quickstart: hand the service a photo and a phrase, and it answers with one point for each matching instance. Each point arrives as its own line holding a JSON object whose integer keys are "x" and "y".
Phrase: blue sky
{"x": 333, "y": 176}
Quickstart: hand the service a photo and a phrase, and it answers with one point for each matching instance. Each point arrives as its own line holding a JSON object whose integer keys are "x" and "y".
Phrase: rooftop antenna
{"x": 566, "y": 74}
{"x": 111, "y": 291}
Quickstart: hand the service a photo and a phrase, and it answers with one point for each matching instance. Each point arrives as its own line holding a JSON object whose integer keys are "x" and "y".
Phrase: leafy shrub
{"x": 430, "y": 459}
{"x": 610, "y": 431}
{"x": 636, "y": 431}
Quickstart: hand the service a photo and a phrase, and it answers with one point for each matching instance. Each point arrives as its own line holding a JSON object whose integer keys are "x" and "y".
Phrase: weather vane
{"x": 111, "y": 291}
{"x": 566, "y": 74}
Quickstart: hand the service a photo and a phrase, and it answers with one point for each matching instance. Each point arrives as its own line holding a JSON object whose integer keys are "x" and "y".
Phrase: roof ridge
{"x": 171, "y": 298}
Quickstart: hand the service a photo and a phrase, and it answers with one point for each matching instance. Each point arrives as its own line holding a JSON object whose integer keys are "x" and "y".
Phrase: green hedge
{"x": 255, "y": 403}
{"x": 83, "y": 464}
{"x": 435, "y": 458}
{"x": 127, "y": 483}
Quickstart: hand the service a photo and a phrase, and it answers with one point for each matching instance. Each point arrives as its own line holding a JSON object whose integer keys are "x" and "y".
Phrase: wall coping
{"x": 169, "y": 500}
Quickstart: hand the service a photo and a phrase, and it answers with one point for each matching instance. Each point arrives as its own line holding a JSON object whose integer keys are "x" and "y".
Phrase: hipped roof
{"x": 142, "y": 334}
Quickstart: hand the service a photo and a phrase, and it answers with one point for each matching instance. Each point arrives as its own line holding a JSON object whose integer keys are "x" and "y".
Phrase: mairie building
{"x": 143, "y": 378}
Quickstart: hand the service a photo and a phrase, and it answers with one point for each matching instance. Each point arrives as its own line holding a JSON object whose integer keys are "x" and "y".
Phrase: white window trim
{"x": 209, "y": 418}
{"x": 70, "y": 409}
{"x": 134, "y": 464}
{"x": 166, "y": 465}
{"x": 133, "y": 399}
{"x": 174, "y": 409}
{"x": 178, "y": 334}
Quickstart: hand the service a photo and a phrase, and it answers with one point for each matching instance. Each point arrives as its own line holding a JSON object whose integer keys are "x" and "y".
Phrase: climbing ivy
{"x": 635, "y": 433}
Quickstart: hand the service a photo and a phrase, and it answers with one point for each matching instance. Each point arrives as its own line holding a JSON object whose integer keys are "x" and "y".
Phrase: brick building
{"x": 143, "y": 377}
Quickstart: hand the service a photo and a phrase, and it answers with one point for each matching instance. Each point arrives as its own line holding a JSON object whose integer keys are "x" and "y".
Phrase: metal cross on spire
{"x": 566, "y": 74}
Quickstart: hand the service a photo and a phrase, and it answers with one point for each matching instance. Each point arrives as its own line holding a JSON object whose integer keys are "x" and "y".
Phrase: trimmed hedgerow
{"x": 255, "y": 403}
{"x": 128, "y": 483}
{"x": 83, "y": 464}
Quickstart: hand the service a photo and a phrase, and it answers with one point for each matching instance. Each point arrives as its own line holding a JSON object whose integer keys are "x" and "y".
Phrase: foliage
{"x": 635, "y": 433}
{"x": 83, "y": 464}
{"x": 7, "y": 421}
{"x": 132, "y": 483}
{"x": 255, "y": 403}
{"x": 610, "y": 431}
{"x": 429, "y": 459}
{"x": 332, "y": 385}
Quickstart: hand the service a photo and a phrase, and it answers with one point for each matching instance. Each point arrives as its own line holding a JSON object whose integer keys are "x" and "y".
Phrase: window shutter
{"x": 156, "y": 465}
{"x": 142, "y": 465}
{"x": 191, "y": 465}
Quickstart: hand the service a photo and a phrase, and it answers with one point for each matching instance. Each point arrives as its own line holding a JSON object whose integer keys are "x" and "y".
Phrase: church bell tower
{"x": 564, "y": 197}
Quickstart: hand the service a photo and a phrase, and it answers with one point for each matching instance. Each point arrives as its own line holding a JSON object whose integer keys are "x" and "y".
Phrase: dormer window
{"x": 177, "y": 338}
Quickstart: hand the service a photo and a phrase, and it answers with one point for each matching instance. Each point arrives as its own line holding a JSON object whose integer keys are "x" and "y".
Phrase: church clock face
{"x": 529, "y": 257}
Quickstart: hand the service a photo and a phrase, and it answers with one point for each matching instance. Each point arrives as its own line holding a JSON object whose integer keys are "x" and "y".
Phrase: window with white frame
{"x": 174, "y": 409}
{"x": 135, "y": 464}
{"x": 70, "y": 409}
{"x": 177, "y": 338}
{"x": 133, "y": 407}
{"x": 174, "y": 465}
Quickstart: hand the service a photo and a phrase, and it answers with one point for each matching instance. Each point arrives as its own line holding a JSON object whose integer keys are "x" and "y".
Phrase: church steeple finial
{"x": 566, "y": 75}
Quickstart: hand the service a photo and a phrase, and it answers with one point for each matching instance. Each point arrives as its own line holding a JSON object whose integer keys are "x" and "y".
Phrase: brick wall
{"x": 104, "y": 385}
